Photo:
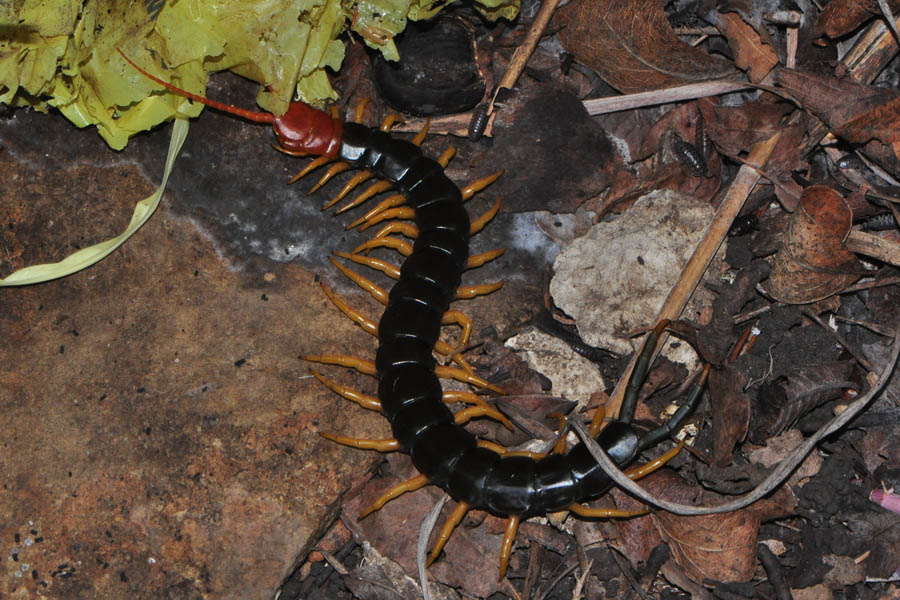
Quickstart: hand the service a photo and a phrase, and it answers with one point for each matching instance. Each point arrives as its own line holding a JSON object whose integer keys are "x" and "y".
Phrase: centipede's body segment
{"x": 408, "y": 388}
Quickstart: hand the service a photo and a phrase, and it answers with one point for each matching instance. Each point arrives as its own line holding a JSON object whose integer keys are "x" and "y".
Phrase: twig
{"x": 886, "y": 11}
{"x": 867, "y": 285}
{"x": 573, "y": 564}
{"x": 774, "y": 572}
{"x": 775, "y": 478}
{"x": 866, "y": 324}
{"x": 578, "y": 592}
{"x": 332, "y": 560}
{"x": 874, "y": 246}
{"x": 523, "y": 52}
{"x": 859, "y": 357}
{"x": 691, "y": 91}
{"x": 626, "y": 572}
{"x": 422, "y": 547}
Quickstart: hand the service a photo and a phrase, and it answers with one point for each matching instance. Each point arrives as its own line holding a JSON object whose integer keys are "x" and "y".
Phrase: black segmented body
{"x": 408, "y": 389}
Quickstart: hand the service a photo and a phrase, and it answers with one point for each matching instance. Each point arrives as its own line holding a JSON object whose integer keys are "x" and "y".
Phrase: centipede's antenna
{"x": 251, "y": 115}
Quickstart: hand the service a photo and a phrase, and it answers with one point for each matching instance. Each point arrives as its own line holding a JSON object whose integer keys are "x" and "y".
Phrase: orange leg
{"x": 366, "y": 367}
{"x": 334, "y": 170}
{"x": 395, "y": 243}
{"x": 597, "y": 422}
{"x": 389, "y": 202}
{"x": 373, "y": 190}
{"x": 560, "y": 446}
{"x": 322, "y": 160}
{"x": 453, "y": 396}
{"x": 470, "y": 291}
{"x": 639, "y": 471}
{"x": 462, "y": 376}
{"x": 407, "y": 229}
{"x": 446, "y": 156}
{"x": 364, "y": 400}
{"x": 604, "y": 513}
{"x": 406, "y": 213}
{"x": 495, "y": 447}
{"x": 349, "y": 187}
{"x": 388, "y": 445}
{"x": 479, "y": 259}
{"x": 360, "y": 111}
{"x": 375, "y": 291}
{"x": 423, "y": 133}
{"x": 391, "y": 270}
{"x": 506, "y": 547}
{"x": 465, "y": 415}
{"x": 479, "y": 223}
{"x": 449, "y": 525}
{"x": 410, "y": 485}
{"x": 476, "y": 186}
{"x": 389, "y": 122}
{"x": 463, "y": 320}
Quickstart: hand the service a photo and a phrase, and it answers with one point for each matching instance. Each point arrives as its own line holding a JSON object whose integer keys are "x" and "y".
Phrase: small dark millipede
{"x": 478, "y": 474}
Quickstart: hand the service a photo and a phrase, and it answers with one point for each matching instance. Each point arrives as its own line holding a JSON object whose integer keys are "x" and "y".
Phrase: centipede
{"x": 428, "y": 208}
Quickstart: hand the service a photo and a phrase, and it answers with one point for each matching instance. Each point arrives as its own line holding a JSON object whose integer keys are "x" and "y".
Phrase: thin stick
{"x": 886, "y": 11}
{"x": 874, "y": 246}
{"x": 846, "y": 345}
{"x": 523, "y": 52}
{"x": 422, "y": 548}
{"x": 691, "y": 91}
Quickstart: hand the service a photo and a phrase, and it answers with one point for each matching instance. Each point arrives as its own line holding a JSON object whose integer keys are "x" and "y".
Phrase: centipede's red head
{"x": 301, "y": 130}
{"x": 304, "y": 129}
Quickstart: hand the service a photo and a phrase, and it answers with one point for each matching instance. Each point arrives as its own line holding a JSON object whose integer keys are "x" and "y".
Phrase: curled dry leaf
{"x": 751, "y": 53}
{"x": 719, "y": 547}
{"x": 813, "y": 262}
{"x": 633, "y": 47}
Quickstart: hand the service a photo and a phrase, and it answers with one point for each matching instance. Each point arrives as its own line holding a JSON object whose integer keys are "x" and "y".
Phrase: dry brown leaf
{"x": 813, "y": 262}
{"x": 735, "y": 129}
{"x": 751, "y": 54}
{"x": 855, "y": 112}
{"x": 633, "y": 47}
{"x": 719, "y": 547}
{"x": 840, "y": 17}
{"x": 731, "y": 412}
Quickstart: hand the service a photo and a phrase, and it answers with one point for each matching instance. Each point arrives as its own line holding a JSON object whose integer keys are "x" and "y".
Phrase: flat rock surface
{"x": 160, "y": 434}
